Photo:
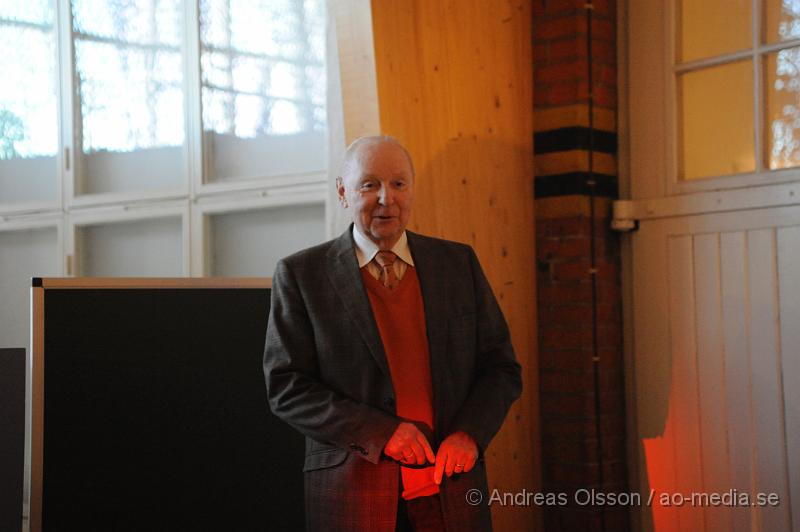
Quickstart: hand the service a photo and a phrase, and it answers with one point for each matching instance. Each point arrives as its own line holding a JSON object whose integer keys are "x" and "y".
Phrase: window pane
{"x": 28, "y": 102}
{"x": 128, "y": 60}
{"x": 263, "y": 76}
{"x": 148, "y": 248}
{"x": 782, "y": 92}
{"x": 717, "y": 121}
{"x": 250, "y": 243}
{"x": 713, "y": 27}
{"x": 781, "y": 20}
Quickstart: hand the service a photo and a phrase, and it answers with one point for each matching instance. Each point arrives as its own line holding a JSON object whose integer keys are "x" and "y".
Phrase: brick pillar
{"x": 564, "y": 282}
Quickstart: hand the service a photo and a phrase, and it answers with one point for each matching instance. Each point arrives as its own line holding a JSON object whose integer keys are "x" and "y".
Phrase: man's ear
{"x": 340, "y": 191}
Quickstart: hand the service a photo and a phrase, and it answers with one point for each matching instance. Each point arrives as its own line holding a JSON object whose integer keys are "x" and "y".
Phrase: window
{"x": 263, "y": 82}
{"x": 738, "y": 87}
{"x": 157, "y": 98}
{"x": 28, "y": 103}
{"x": 129, "y": 77}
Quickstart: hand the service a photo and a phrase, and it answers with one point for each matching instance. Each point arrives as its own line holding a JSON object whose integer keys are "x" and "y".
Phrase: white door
{"x": 711, "y": 137}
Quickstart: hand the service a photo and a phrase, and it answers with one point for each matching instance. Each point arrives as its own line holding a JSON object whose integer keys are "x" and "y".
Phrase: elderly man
{"x": 388, "y": 351}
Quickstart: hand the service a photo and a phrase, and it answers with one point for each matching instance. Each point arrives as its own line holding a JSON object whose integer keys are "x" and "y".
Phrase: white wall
{"x": 24, "y": 254}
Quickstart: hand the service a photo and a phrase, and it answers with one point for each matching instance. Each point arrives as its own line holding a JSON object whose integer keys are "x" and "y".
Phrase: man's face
{"x": 378, "y": 188}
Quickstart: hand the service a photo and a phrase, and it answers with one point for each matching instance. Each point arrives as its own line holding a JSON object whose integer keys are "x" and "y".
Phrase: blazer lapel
{"x": 345, "y": 276}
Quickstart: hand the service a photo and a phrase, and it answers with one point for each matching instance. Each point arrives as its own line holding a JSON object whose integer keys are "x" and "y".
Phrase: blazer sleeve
{"x": 294, "y": 390}
{"x": 498, "y": 380}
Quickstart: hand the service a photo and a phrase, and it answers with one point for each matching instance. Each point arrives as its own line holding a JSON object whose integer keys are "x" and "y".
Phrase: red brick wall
{"x": 560, "y": 52}
{"x": 564, "y": 282}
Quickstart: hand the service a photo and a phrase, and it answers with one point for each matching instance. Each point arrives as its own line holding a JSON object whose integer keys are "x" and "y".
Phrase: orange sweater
{"x": 400, "y": 316}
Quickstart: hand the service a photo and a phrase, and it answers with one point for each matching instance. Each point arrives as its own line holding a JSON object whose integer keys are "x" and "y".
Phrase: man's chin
{"x": 384, "y": 234}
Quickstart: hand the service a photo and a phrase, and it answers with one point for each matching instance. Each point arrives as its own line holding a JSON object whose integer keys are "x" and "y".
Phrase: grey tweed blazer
{"x": 327, "y": 376}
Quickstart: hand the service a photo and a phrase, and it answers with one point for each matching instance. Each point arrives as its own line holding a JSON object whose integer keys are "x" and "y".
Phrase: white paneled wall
{"x": 725, "y": 349}
{"x": 250, "y": 243}
{"x": 733, "y": 269}
{"x": 139, "y": 248}
{"x": 684, "y": 393}
{"x": 788, "y": 242}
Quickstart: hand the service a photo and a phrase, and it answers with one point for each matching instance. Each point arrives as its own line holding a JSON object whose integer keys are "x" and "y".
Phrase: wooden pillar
{"x": 454, "y": 85}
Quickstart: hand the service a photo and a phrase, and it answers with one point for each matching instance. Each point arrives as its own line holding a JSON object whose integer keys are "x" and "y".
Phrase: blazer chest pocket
{"x": 324, "y": 459}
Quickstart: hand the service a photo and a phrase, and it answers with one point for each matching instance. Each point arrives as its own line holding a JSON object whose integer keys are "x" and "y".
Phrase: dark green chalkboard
{"x": 155, "y": 413}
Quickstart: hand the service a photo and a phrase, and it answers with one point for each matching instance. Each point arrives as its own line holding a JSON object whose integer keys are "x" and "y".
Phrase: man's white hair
{"x": 354, "y": 149}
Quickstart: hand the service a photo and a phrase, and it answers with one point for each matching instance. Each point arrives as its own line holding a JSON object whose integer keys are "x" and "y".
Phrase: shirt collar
{"x": 366, "y": 248}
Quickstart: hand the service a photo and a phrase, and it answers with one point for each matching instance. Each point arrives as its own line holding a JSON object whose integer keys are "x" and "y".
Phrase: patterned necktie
{"x": 385, "y": 260}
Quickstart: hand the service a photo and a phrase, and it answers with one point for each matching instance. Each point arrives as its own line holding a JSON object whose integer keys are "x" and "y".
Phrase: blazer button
{"x": 389, "y": 402}
{"x": 358, "y": 448}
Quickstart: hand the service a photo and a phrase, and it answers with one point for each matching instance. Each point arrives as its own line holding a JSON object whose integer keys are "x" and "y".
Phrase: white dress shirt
{"x": 366, "y": 250}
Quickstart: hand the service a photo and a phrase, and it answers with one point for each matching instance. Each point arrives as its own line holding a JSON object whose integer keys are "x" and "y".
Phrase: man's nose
{"x": 385, "y": 196}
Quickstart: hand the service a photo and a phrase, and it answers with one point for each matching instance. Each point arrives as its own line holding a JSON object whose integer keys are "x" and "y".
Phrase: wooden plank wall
{"x": 455, "y": 86}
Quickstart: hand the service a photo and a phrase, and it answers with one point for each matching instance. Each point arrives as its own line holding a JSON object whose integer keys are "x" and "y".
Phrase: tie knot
{"x": 385, "y": 258}
{"x": 388, "y": 277}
